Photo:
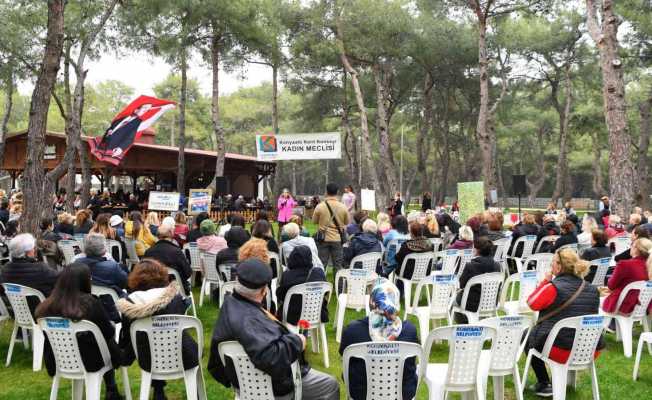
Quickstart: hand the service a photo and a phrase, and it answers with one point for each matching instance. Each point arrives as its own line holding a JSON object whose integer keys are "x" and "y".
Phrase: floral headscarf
{"x": 384, "y": 304}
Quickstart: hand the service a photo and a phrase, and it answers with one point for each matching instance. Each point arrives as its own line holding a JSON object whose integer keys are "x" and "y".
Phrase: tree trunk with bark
{"x": 350, "y": 141}
{"x": 382, "y": 77}
{"x": 183, "y": 98}
{"x": 621, "y": 170}
{"x": 484, "y": 133}
{"x": 37, "y": 187}
{"x": 597, "y": 184}
{"x": 9, "y": 102}
{"x": 564, "y": 112}
{"x": 643, "y": 161}
{"x": 220, "y": 140}
{"x": 423, "y": 140}
{"x": 534, "y": 186}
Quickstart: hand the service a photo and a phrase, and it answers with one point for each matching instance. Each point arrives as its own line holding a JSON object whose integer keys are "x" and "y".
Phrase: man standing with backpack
{"x": 332, "y": 217}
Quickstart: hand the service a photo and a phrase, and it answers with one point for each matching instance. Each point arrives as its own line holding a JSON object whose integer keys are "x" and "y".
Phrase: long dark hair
{"x": 137, "y": 221}
{"x": 261, "y": 230}
{"x": 67, "y": 298}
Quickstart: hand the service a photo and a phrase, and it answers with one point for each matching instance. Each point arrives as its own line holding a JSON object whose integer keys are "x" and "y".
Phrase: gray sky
{"x": 142, "y": 72}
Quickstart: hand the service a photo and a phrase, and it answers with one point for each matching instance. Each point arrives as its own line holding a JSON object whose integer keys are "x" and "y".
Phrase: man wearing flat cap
{"x": 271, "y": 347}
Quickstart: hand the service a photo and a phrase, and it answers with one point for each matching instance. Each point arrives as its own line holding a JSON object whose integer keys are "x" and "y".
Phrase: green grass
{"x": 19, "y": 382}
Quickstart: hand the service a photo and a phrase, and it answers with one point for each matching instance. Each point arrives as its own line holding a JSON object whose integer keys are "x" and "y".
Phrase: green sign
{"x": 470, "y": 196}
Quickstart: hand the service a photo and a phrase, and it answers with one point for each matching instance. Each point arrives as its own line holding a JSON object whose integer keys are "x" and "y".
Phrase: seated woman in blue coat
{"x": 383, "y": 324}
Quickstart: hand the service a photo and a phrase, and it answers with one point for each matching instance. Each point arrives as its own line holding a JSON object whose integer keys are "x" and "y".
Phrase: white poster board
{"x": 311, "y": 146}
{"x": 368, "y": 200}
{"x": 163, "y": 201}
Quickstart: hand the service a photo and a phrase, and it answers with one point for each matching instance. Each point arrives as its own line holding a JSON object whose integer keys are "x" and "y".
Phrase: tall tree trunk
{"x": 364, "y": 126}
{"x": 218, "y": 132}
{"x": 621, "y": 171}
{"x": 423, "y": 141}
{"x": 484, "y": 133}
{"x": 350, "y": 142}
{"x": 183, "y": 98}
{"x": 86, "y": 174}
{"x": 561, "y": 178}
{"x": 275, "y": 98}
{"x": 71, "y": 175}
{"x": 9, "y": 102}
{"x": 36, "y": 187}
{"x": 534, "y": 186}
{"x": 643, "y": 161}
{"x": 382, "y": 77}
{"x": 597, "y": 184}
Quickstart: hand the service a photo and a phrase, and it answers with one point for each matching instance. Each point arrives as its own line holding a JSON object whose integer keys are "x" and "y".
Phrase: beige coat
{"x": 322, "y": 217}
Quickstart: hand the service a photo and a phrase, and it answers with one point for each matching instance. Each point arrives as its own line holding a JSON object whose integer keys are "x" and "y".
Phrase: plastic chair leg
{"x": 324, "y": 341}
{"x": 38, "y": 345}
{"x": 190, "y": 379}
{"x": 559, "y": 381}
{"x": 55, "y": 387}
{"x": 93, "y": 383}
{"x": 594, "y": 382}
{"x": 341, "y": 309}
{"x": 201, "y": 292}
{"x": 145, "y": 385}
{"x": 424, "y": 325}
{"x": 528, "y": 361}
{"x": 499, "y": 387}
{"x": 314, "y": 343}
{"x": 407, "y": 290}
{"x": 625, "y": 326}
{"x": 25, "y": 339}
{"x": 12, "y": 342}
{"x": 572, "y": 379}
{"x": 77, "y": 389}
{"x": 201, "y": 385}
{"x": 125, "y": 382}
{"x": 192, "y": 302}
{"x": 518, "y": 388}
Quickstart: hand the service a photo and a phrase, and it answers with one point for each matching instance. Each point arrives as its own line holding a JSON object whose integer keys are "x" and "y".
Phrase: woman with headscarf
{"x": 382, "y": 325}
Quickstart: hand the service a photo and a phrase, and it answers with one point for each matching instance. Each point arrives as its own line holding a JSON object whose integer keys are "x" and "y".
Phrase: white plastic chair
{"x": 194, "y": 255}
{"x": 646, "y": 337}
{"x": 182, "y": 290}
{"x": 466, "y": 256}
{"x": 449, "y": 260}
{"x": 570, "y": 246}
{"x": 621, "y": 243}
{"x": 550, "y": 239}
{"x": 17, "y": 295}
{"x": 527, "y": 282}
{"x": 132, "y": 254}
{"x": 528, "y": 242}
{"x": 356, "y": 282}
{"x": 384, "y": 365}
{"x": 62, "y": 334}
{"x": 80, "y": 239}
{"x": 588, "y": 329}
{"x": 67, "y": 248}
{"x": 164, "y": 334}
{"x": 254, "y": 383}
{"x": 602, "y": 267}
{"x": 502, "y": 247}
{"x": 210, "y": 277}
{"x": 4, "y": 313}
{"x": 502, "y": 359}
{"x": 275, "y": 264}
{"x": 100, "y": 291}
{"x": 490, "y": 290}
{"x": 461, "y": 373}
{"x": 114, "y": 244}
{"x": 625, "y": 323}
{"x": 421, "y": 263}
{"x": 437, "y": 244}
{"x": 442, "y": 291}
{"x": 542, "y": 261}
{"x": 312, "y": 297}
{"x": 367, "y": 261}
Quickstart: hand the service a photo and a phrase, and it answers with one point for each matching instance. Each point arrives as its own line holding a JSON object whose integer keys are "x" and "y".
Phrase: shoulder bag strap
{"x": 333, "y": 217}
{"x": 565, "y": 305}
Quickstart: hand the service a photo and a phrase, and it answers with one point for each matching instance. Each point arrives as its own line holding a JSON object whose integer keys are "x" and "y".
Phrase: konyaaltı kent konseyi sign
{"x": 311, "y": 146}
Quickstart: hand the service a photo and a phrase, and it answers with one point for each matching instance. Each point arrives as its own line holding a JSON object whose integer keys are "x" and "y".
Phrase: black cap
{"x": 253, "y": 273}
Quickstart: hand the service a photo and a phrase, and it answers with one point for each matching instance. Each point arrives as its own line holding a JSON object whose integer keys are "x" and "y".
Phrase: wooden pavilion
{"x": 146, "y": 159}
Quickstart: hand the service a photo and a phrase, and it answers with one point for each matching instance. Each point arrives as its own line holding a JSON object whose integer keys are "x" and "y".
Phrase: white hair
{"x": 22, "y": 244}
{"x": 466, "y": 233}
{"x": 291, "y": 229}
{"x": 94, "y": 245}
{"x": 251, "y": 294}
{"x": 165, "y": 230}
{"x": 369, "y": 225}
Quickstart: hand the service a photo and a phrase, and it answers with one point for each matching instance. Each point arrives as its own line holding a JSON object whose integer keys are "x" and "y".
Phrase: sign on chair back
{"x": 384, "y": 365}
{"x": 164, "y": 335}
{"x": 588, "y": 330}
{"x": 312, "y": 297}
{"x": 442, "y": 289}
{"x": 63, "y": 334}
{"x": 254, "y": 383}
{"x": 502, "y": 359}
{"x": 17, "y": 295}
{"x": 460, "y": 374}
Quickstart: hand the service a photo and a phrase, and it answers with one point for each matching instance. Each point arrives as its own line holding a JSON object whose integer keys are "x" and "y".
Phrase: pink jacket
{"x": 284, "y": 207}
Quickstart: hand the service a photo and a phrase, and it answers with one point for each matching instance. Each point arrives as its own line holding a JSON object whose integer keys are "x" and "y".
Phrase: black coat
{"x": 625, "y": 255}
{"x": 90, "y": 352}
{"x": 358, "y": 332}
{"x": 172, "y": 256}
{"x": 300, "y": 270}
{"x": 84, "y": 228}
{"x": 268, "y": 343}
{"x": 568, "y": 238}
{"x": 595, "y": 253}
{"x": 68, "y": 229}
{"x": 29, "y": 272}
{"x": 426, "y": 204}
{"x": 168, "y": 302}
{"x": 362, "y": 243}
{"x": 193, "y": 235}
{"x": 4, "y": 216}
{"x": 477, "y": 266}
{"x": 519, "y": 231}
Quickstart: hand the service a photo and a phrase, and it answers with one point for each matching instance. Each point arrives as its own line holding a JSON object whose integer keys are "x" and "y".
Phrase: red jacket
{"x": 626, "y": 272}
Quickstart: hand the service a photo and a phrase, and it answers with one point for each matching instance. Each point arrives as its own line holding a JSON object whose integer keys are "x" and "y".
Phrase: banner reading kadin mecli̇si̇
{"x": 312, "y": 146}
